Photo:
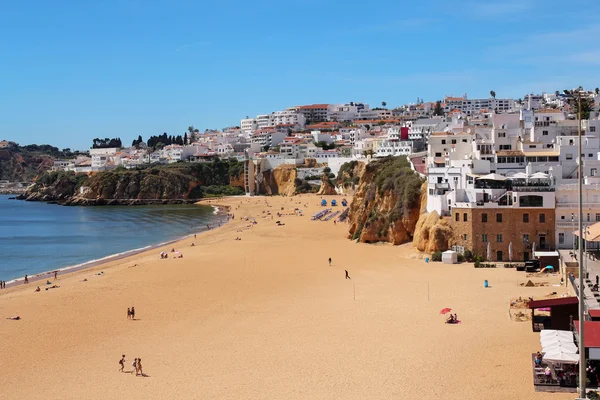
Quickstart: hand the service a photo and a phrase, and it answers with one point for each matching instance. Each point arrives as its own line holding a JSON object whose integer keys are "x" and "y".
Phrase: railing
{"x": 533, "y": 188}
{"x": 442, "y": 186}
{"x": 570, "y": 205}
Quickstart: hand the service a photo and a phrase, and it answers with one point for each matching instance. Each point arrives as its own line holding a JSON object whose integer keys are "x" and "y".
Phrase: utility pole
{"x": 582, "y": 363}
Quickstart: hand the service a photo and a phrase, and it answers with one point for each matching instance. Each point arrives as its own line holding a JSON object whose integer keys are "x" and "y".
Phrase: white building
{"x": 101, "y": 157}
{"x": 473, "y": 106}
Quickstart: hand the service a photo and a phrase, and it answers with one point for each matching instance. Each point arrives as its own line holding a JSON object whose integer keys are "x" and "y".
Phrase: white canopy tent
{"x": 519, "y": 175}
{"x": 492, "y": 177}
{"x": 565, "y": 336}
{"x": 562, "y": 357}
{"x": 560, "y": 347}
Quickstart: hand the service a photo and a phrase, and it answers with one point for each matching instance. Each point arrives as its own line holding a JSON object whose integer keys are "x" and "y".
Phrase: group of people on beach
{"x": 2, "y": 284}
{"x": 136, "y": 364}
{"x": 452, "y": 319}
{"x": 131, "y": 313}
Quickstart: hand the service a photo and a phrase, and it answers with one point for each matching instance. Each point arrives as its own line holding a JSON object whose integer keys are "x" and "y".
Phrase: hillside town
{"x": 486, "y": 161}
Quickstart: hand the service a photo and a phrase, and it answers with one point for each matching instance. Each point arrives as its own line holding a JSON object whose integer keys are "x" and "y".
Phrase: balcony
{"x": 533, "y": 188}
{"x": 442, "y": 186}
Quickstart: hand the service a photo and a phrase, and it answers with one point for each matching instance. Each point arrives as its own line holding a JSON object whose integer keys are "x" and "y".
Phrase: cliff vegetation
{"x": 24, "y": 163}
{"x": 176, "y": 183}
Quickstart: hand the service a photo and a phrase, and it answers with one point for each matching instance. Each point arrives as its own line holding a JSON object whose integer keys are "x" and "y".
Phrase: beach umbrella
{"x": 533, "y": 249}
{"x": 489, "y": 251}
{"x": 549, "y": 267}
{"x": 510, "y": 252}
{"x": 445, "y": 310}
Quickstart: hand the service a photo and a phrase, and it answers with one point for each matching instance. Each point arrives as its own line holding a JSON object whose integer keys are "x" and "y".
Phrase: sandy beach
{"x": 266, "y": 317}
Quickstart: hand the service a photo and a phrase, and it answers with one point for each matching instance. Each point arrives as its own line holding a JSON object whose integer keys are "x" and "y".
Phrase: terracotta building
{"x": 475, "y": 227}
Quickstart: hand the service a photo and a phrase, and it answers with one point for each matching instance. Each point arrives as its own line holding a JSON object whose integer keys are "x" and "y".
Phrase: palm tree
{"x": 597, "y": 91}
{"x": 383, "y": 104}
{"x": 556, "y": 93}
{"x": 493, "y": 94}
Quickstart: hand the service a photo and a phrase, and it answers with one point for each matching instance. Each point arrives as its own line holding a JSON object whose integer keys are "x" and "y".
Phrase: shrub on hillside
{"x": 437, "y": 256}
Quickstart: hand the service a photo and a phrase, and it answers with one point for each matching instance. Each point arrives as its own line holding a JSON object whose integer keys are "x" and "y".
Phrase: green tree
{"x": 438, "y": 110}
{"x": 577, "y": 101}
{"x": 597, "y": 91}
{"x": 383, "y": 104}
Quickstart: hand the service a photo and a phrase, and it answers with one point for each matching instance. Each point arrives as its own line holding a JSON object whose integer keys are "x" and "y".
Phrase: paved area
{"x": 592, "y": 267}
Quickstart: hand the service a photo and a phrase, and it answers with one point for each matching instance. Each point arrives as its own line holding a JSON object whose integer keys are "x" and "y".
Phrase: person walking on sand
{"x": 55, "y": 275}
{"x": 134, "y": 364}
{"x": 122, "y": 363}
{"x": 139, "y": 367}
{"x": 330, "y": 261}
{"x": 26, "y": 279}
{"x": 128, "y": 313}
{"x": 347, "y": 276}
{"x": 132, "y": 312}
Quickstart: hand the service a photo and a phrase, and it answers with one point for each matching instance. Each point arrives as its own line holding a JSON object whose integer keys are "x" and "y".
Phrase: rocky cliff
{"x": 327, "y": 187}
{"x": 180, "y": 183}
{"x": 390, "y": 205}
{"x": 279, "y": 180}
{"x": 18, "y": 165}
{"x": 386, "y": 205}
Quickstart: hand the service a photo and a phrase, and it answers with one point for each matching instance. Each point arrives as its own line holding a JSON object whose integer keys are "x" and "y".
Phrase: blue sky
{"x": 74, "y": 70}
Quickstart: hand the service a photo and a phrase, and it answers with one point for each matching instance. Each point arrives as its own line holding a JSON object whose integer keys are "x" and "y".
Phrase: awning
{"x": 561, "y": 357}
{"x": 538, "y": 254}
{"x": 593, "y": 233}
{"x": 493, "y": 177}
{"x": 559, "y": 301}
{"x": 563, "y": 347}
{"x": 591, "y": 333}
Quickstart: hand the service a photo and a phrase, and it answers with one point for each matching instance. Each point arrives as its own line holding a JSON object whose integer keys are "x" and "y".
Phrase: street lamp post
{"x": 582, "y": 362}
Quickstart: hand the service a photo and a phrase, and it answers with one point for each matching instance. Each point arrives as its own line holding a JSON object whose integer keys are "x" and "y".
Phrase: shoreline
{"x": 65, "y": 271}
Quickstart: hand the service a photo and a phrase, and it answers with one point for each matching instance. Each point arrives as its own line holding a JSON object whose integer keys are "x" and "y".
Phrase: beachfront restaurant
{"x": 553, "y": 313}
{"x": 555, "y": 368}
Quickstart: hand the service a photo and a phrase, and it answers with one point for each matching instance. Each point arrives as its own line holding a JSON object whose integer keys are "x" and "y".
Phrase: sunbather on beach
{"x": 38, "y": 289}
{"x": 15, "y": 318}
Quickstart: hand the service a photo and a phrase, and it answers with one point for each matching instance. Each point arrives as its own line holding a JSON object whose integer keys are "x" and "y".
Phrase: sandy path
{"x": 267, "y": 318}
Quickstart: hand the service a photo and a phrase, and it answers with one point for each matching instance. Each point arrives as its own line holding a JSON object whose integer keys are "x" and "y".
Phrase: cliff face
{"x": 432, "y": 232}
{"x": 23, "y": 166}
{"x": 386, "y": 205}
{"x": 280, "y": 180}
{"x": 327, "y": 188}
{"x": 169, "y": 184}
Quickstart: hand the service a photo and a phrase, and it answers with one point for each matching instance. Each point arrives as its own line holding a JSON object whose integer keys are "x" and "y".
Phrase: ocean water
{"x": 37, "y": 237}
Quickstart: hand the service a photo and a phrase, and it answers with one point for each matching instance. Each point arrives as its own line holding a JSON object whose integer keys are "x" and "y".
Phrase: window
{"x": 526, "y": 237}
{"x": 443, "y": 141}
{"x": 484, "y": 238}
{"x": 588, "y": 217}
{"x": 498, "y": 217}
{"x": 592, "y": 129}
{"x": 501, "y": 134}
{"x": 569, "y": 156}
{"x": 531, "y": 201}
{"x": 525, "y": 217}
{"x": 483, "y": 217}
{"x": 465, "y": 236}
{"x": 457, "y": 217}
{"x": 597, "y": 217}
{"x": 562, "y": 217}
{"x": 499, "y": 255}
{"x": 465, "y": 218}
{"x": 543, "y": 218}
{"x": 590, "y": 155}
{"x": 438, "y": 154}
{"x": 594, "y": 172}
{"x": 453, "y": 141}
{"x": 561, "y": 238}
{"x": 499, "y": 238}
{"x": 544, "y": 133}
